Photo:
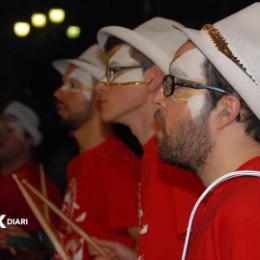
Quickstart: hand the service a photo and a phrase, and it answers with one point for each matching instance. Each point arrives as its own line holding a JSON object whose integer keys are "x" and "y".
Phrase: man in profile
{"x": 209, "y": 112}
{"x": 134, "y": 75}
{"x": 101, "y": 195}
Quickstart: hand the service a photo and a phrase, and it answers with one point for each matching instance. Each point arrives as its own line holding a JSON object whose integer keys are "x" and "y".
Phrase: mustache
{"x": 58, "y": 103}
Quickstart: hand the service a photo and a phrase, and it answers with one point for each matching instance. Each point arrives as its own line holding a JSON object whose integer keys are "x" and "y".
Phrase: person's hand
{"x": 9, "y": 231}
{"x": 114, "y": 249}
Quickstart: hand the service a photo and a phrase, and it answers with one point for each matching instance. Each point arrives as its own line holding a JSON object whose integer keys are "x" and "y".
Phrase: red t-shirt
{"x": 101, "y": 196}
{"x": 12, "y": 202}
{"x": 227, "y": 225}
{"x": 168, "y": 194}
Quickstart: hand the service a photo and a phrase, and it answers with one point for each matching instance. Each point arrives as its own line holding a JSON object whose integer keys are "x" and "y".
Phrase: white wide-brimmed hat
{"x": 27, "y": 118}
{"x": 233, "y": 46}
{"x": 91, "y": 60}
{"x": 155, "y": 38}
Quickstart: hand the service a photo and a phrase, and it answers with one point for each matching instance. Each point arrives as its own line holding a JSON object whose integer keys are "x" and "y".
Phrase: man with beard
{"x": 209, "y": 113}
{"x": 101, "y": 196}
{"x": 19, "y": 135}
{"x": 134, "y": 76}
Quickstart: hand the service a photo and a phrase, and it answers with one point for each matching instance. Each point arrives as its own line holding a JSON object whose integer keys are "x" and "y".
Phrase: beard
{"x": 70, "y": 125}
{"x": 74, "y": 122}
{"x": 76, "y": 119}
{"x": 188, "y": 145}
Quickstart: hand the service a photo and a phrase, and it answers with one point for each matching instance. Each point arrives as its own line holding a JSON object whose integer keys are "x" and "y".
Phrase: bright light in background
{"x": 73, "y": 32}
{"x": 38, "y": 20}
{"x": 22, "y": 29}
{"x": 56, "y": 15}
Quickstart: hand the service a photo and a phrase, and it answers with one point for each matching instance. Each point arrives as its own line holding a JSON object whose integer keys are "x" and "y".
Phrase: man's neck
{"x": 92, "y": 133}
{"x": 228, "y": 156}
{"x": 142, "y": 123}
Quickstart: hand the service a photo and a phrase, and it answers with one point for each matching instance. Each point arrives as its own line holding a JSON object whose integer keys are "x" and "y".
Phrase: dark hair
{"x": 140, "y": 57}
{"x": 111, "y": 43}
{"x": 251, "y": 121}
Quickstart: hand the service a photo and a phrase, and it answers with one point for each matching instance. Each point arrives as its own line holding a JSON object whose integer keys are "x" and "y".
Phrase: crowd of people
{"x": 191, "y": 98}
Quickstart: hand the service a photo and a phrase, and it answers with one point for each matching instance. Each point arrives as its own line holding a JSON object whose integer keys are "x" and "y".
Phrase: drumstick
{"x": 12, "y": 250}
{"x": 44, "y": 192}
{"x": 45, "y": 225}
{"x": 58, "y": 212}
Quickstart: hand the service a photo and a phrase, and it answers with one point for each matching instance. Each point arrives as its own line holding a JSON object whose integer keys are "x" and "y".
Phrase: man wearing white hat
{"x": 209, "y": 112}
{"x": 134, "y": 76}
{"x": 101, "y": 196}
{"x": 19, "y": 133}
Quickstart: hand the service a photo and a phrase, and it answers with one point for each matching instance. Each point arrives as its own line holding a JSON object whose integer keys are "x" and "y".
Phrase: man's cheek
{"x": 195, "y": 105}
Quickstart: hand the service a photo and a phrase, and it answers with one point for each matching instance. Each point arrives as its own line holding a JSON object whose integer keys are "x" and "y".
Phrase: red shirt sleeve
{"x": 242, "y": 241}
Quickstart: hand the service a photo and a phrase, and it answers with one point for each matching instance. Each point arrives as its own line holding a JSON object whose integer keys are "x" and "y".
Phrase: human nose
{"x": 58, "y": 92}
{"x": 101, "y": 87}
{"x": 159, "y": 99}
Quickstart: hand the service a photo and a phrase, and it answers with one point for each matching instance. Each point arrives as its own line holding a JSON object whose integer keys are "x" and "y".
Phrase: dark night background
{"x": 26, "y": 71}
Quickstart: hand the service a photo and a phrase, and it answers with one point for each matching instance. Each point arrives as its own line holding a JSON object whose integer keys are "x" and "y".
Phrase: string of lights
{"x": 39, "y": 20}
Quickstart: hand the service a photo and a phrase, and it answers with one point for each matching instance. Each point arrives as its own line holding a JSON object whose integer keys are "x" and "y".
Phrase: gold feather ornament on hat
{"x": 222, "y": 46}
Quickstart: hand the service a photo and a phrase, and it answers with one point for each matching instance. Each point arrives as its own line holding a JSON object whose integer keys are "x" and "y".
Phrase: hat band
{"x": 222, "y": 46}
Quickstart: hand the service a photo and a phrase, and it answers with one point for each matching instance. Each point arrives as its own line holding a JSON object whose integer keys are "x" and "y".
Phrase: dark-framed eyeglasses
{"x": 115, "y": 67}
{"x": 171, "y": 82}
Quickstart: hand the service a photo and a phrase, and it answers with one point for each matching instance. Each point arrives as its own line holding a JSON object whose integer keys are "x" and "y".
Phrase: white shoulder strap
{"x": 210, "y": 188}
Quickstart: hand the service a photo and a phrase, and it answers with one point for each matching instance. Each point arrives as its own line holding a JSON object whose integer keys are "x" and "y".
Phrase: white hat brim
{"x": 62, "y": 64}
{"x": 136, "y": 40}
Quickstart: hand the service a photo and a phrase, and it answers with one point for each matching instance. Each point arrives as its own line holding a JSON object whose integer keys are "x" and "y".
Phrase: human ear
{"x": 227, "y": 110}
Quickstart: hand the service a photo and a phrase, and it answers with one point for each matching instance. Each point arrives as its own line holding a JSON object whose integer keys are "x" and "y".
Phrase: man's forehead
{"x": 113, "y": 50}
{"x": 119, "y": 50}
{"x": 123, "y": 56}
{"x": 70, "y": 68}
{"x": 129, "y": 51}
{"x": 189, "y": 64}
{"x": 8, "y": 117}
{"x": 184, "y": 48}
